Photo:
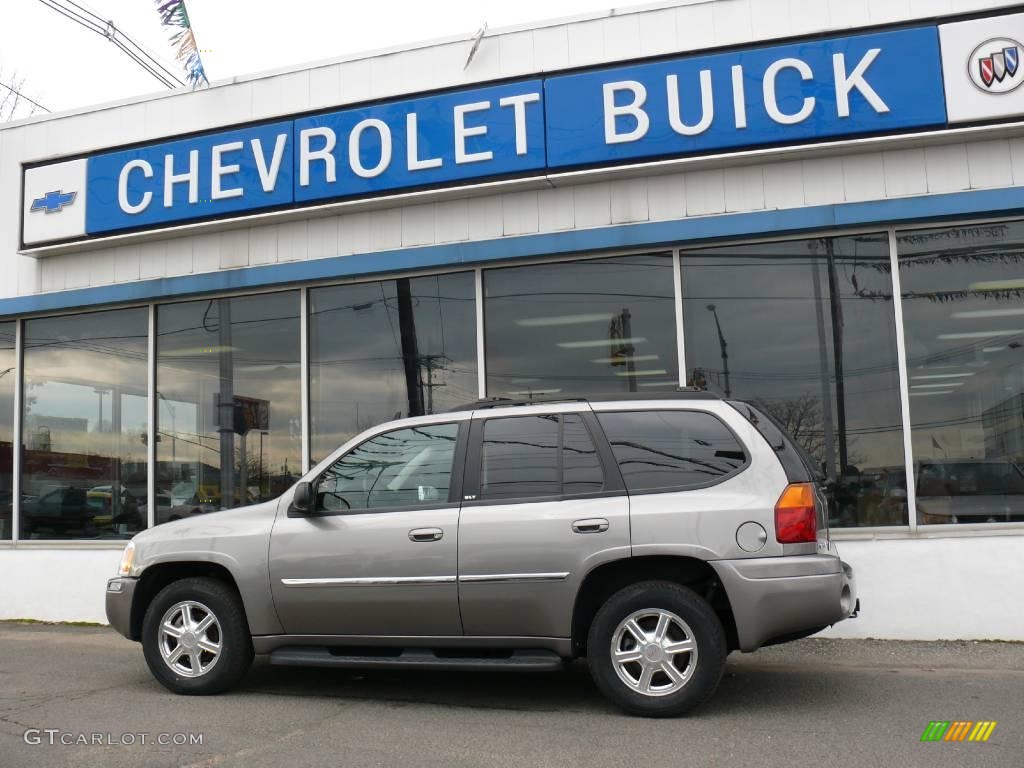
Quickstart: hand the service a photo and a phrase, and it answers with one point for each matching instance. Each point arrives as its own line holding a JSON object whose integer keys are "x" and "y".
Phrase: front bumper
{"x": 120, "y": 592}
{"x": 779, "y": 597}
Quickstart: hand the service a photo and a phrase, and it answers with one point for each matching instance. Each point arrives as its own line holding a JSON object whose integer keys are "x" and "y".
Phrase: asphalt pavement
{"x": 819, "y": 703}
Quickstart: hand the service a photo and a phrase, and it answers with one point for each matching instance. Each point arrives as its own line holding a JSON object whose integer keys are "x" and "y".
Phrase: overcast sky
{"x": 65, "y": 65}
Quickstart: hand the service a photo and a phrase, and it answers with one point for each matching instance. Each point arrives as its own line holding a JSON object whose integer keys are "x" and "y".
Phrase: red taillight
{"x": 796, "y": 519}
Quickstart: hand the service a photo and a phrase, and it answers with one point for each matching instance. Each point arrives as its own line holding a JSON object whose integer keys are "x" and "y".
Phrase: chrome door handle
{"x": 591, "y": 525}
{"x": 426, "y": 534}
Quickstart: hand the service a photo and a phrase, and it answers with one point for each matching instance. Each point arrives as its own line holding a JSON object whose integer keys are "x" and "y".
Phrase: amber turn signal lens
{"x": 796, "y": 517}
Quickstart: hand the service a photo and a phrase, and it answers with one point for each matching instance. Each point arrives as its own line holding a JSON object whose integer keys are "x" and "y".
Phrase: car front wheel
{"x": 656, "y": 649}
{"x": 195, "y": 637}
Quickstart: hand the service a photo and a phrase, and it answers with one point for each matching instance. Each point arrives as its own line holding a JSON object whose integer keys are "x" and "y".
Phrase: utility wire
{"x": 104, "y": 30}
{"x": 21, "y": 95}
{"x": 113, "y": 30}
{"x": 107, "y": 29}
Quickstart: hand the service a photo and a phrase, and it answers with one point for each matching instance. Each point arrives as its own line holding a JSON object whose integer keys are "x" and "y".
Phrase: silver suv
{"x": 651, "y": 535}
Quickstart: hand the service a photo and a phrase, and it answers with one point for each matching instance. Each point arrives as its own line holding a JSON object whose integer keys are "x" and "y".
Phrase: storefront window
{"x": 963, "y": 313}
{"x": 8, "y": 375}
{"x": 581, "y": 327}
{"x": 229, "y": 419}
{"x": 806, "y": 330}
{"x": 389, "y": 349}
{"x": 84, "y": 433}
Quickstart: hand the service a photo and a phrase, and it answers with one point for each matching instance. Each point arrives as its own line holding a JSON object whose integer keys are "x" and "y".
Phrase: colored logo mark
{"x": 994, "y": 64}
{"x": 53, "y": 202}
{"x": 958, "y": 730}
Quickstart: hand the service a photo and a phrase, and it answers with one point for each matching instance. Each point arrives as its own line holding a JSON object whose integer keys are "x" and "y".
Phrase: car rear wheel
{"x": 656, "y": 649}
{"x": 195, "y": 637}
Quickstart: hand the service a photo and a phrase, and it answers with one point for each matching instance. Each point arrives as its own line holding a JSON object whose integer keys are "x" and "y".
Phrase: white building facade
{"x": 816, "y": 206}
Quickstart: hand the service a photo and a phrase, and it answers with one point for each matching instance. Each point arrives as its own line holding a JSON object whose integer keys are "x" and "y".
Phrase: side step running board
{"x": 417, "y": 658}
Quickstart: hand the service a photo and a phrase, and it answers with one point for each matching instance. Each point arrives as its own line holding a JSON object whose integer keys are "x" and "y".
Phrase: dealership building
{"x": 817, "y": 206}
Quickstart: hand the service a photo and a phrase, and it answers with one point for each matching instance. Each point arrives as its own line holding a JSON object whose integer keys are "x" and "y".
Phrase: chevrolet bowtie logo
{"x": 53, "y": 202}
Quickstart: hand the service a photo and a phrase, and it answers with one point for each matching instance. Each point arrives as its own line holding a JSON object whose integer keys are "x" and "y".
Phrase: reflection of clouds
{"x": 75, "y": 368}
{"x": 641, "y": 284}
{"x": 765, "y": 298}
{"x": 357, "y": 374}
{"x": 937, "y": 270}
{"x": 265, "y": 356}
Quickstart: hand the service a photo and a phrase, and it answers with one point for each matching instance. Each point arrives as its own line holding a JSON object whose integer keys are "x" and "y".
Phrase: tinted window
{"x": 85, "y": 422}
{"x": 805, "y": 330}
{"x": 229, "y": 415}
{"x": 671, "y": 449}
{"x": 392, "y": 348}
{"x": 962, "y": 296}
{"x": 519, "y": 458}
{"x": 402, "y": 468}
{"x": 581, "y": 467}
{"x": 8, "y": 374}
{"x": 581, "y": 327}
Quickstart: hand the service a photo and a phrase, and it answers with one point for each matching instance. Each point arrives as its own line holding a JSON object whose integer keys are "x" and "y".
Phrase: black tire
{"x": 707, "y": 633}
{"x": 236, "y": 651}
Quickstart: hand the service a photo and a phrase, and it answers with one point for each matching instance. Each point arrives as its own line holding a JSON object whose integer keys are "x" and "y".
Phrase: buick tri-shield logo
{"x": 995, "y": 66}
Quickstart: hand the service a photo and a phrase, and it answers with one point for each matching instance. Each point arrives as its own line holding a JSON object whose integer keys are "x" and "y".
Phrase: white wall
{"x": 910, "y": 589}
{"x": 55, "y": 584}
{"x": 937, "y": 589}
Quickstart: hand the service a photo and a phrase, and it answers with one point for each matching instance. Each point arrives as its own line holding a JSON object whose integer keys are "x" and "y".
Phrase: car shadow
{"x": 744, "y": 688}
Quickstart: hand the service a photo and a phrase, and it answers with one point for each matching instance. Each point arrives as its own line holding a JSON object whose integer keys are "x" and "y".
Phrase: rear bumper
{"x": 779, "y": 597}
{"x": 119, "y": 604}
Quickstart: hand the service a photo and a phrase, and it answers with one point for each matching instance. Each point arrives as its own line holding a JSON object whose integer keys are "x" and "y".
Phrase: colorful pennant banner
{"x": 174, "y": 16}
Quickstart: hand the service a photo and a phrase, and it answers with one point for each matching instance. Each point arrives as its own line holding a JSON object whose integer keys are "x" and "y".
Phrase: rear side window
{"x": 525, "y": 457}
{"x": 581, "y": 467}
{"x": 519, "y": 458}
{"x": 671, "y": 449}
{"x": 798, "y": 465}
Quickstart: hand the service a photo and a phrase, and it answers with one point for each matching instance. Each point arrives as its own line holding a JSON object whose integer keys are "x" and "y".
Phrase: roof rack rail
{"x": 682, "y": 393}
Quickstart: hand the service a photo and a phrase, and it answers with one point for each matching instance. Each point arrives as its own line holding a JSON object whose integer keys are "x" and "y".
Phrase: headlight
{"x": 125, "y": 568}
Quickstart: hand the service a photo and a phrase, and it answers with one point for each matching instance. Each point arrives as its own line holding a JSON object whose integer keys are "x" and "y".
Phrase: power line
{"x": 21, "y": 95}
{"x": 108, "y": 24}
{"x": 107, "y": 29}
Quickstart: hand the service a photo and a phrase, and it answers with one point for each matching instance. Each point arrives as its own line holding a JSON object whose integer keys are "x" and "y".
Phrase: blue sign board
{"x": 814, "y": 90}
{"x": 820, "y": 89}
{"x": 430, "y": 140}
{"x": 223, "y": 173}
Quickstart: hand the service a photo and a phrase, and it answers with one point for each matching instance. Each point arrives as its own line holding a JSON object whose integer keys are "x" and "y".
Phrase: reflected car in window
{"x": 57, "y": 513}
{"x": 970, "y": 491}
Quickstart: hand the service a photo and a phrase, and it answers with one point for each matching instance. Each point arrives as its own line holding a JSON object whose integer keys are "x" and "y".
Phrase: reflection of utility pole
{"x": 174, "y": 429}
{"x": 102, "y": 393}
{"x": 629, "y": 349}
{"x": 430, "y": 363}
{"x": 724, "y": 347}
{"x": 263, "y": 491}
{"x": 226, "y": 406}
{"x": 837, "y": 351}
{"x": 410, "y": 351}
{"x": 826, "y": 389}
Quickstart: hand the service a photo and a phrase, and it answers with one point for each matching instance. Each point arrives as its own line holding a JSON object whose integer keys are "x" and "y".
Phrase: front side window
{"x": 962, "y": 314}
{"x": 402, "y": 468}
{"x": 85, "y": 426}
{"x": 671, "y": 449}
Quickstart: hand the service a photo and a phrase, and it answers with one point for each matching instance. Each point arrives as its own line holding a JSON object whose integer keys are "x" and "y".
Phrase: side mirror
{"x": 302, "y": 500}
